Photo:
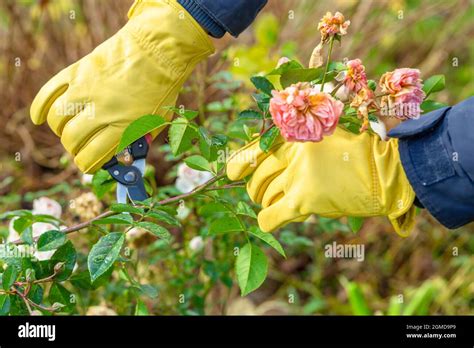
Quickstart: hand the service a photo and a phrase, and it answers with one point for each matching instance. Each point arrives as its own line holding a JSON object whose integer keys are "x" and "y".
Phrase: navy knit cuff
{"x": 210, "y": 25}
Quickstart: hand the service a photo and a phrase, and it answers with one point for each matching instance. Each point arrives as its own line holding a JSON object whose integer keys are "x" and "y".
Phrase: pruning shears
{"x": 127, "y": 168}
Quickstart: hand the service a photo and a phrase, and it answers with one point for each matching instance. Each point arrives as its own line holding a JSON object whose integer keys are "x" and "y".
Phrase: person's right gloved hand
{"x": 136, "y": 72}
{"x": 343, "y": 175}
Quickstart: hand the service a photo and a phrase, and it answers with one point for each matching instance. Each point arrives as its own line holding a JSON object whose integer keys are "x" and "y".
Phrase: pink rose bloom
{"x": 302, "y": 113}
{"x": 405, "y": 94}
{"x": 355, "y": 78}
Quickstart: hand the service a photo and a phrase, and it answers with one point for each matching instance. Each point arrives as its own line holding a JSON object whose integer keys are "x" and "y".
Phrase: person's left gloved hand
{"x": 136, "y": 72}
{"x": 343, "y": 175}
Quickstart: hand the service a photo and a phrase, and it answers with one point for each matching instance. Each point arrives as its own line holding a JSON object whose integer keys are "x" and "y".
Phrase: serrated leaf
{"x": 251, "y": 268}
{"x": 104, "y": 253}
{"x": 164, "y": 217}
{"x": 267, "y": 238}
{"x": 299, "y": 75}
{"x": 291, "y": 65}
{"x": 245, "y": 209}
{"x": 268, "y": 138}
{"x": 225, "y": 225}
{"x": 138, "y": 128}
{"x": 262, "y": 84}
{"x": 119, "y": 219}
{"x": 9, "y": 277}
{"x": 250, "y": 115}
{"x": 198, "y": 163}
{"x": 51, "y": 240}
{"x": 431, "y": 105}
{"x": 433, "y": 84}
{"x": 125, "y": 208}
{"x": 188, "y": 114}
{"x": 181, "y": 135}
{"x": 155, "y": 229}
{"x": 263, "y": 101}
{"x": 59, "y": 294}
{"x": 355, "y": 223}
{"x": 67, "y": 255}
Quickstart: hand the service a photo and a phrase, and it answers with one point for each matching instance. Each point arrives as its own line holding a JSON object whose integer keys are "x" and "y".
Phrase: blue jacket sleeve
{"x": 437, "y": 153}
{"x": 221, "y": 16}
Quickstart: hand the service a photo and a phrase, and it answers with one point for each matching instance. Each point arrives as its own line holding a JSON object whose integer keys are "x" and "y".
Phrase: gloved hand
{"x": 343, "y": 175}
{"x": 136, "y": 72}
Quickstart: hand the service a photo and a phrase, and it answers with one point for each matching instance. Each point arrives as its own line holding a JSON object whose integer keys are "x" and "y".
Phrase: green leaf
{"x": 181, "y": 135}
{"x": 267, "y": 238}
{"x": 16, "y": 213}
{"x": 139, "y": 128}
{"x": 263, "y": 101}
{"x": 148, "y": 290}
{"x": 164, "y": 217}
{"x": 198, "y": 163}
{"x": 225, "y": 225}
{"x": 155, "y": 229}
{"x": 27, "y": 235}
{"x": 125, "y": 208}
{"x": 431, "y": 105}
{"x": 355, "y": 223}
{"x": 262, "y": 84}
{"x": 245, "y": 209}
{"x": 356, "y": 298}
{"x": 66, "y": 254}
{"x": 291, "y": 65}
{"x": 51, "y": 240}
{"x": 141, "y": 309}
{"x": 119, "y": 219}
{"x": 22, "y": 223}
{"x": 59, "y": 294}
{"x": 205, "y": 144}
{"x": 433, "y": 84}
{"x": 268, "y": 138}
{"x": 421, "y": 299}
{"x": 188, "y": 114}
{"x": 9, "y": 277}
{"x": 299, "y": 75}
{"x": 250, "y": 115}
{"x": 251, "y": 268}
{"x": 102, "y": 183}
{"x": 4, "y": 304}
{"x": 104, "y": 253}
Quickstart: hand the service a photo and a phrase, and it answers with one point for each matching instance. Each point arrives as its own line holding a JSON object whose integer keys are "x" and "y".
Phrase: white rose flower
{"x": 196, "y": 244}
{"x": 47, "y": 206}
{"x": 188, "y": 179}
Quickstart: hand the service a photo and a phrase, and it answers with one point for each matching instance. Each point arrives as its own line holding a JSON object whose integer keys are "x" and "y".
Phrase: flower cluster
{"x": 303, "y": 113}
{"x": 310, "y": 102}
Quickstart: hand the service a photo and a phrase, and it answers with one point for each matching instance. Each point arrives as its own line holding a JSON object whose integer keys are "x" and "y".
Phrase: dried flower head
{"x": 332, "y": 25}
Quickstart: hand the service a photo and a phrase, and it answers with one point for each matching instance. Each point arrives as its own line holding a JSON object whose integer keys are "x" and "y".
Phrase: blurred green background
{"x": 430, "y": 272}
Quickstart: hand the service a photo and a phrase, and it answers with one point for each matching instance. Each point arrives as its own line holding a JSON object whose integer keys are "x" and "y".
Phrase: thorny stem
{"x": 331, "y": 43}
{"x": 198, "y": 189}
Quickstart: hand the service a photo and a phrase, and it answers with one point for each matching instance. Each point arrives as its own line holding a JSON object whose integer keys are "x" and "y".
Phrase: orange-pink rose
{"x": 404, "y": 93}
{"x": 355, "y": 78}
{"x": 302, "y": 113}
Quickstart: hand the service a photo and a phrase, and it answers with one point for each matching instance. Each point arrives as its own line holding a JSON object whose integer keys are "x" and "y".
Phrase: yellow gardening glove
{"x": 136, "y": 72}
{"x": 343, "y": 175}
